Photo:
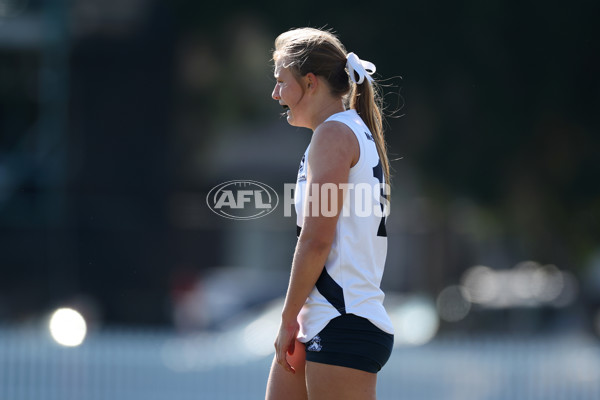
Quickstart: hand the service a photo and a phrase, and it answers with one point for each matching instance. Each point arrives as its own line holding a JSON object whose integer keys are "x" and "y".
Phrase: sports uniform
{"x": 347, "y": 301}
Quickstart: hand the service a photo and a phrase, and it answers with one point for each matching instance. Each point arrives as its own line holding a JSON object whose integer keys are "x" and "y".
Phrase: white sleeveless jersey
{"x": 350, "y": 281}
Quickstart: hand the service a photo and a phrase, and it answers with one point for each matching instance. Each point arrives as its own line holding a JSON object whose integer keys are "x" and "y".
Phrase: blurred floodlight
{"x": 415, "y": 321}
{"x": 68, "y": 327}
{"x": 452, "y": 305}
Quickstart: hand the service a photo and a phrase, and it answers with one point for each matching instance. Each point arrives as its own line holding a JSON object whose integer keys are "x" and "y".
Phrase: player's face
{"x": 289, "y": 93}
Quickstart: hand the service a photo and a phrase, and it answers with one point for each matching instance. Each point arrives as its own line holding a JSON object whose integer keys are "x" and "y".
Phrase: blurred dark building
{"x": 117, "y": 117}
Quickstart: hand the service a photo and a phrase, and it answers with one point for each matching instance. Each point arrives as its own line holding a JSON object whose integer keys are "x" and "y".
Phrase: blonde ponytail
{"x": 366, "y": 100}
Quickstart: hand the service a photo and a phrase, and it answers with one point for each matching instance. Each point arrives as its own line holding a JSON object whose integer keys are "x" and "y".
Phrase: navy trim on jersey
{"x": 332, "y": 292}
{"x": 328, "y": 287}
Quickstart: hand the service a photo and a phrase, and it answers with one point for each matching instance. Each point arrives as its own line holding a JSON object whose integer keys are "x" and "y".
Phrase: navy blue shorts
{"x": 353, "y": 342}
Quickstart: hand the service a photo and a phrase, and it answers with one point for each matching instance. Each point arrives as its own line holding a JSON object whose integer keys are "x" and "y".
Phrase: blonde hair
{"x": 305, "y": 50}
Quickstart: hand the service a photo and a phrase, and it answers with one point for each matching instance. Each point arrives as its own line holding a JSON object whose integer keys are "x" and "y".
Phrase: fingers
{"x": 285, "y": 344}
{"x": 281, "y": 358}
{"x": 283, "y": 361}
{"x": 288, "y": 367}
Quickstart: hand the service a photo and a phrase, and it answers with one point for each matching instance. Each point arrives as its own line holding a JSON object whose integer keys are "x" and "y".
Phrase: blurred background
{"x": 117, "y": 117}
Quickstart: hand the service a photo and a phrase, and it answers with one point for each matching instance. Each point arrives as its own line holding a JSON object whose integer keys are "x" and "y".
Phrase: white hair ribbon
{"x": 361, "y": 67}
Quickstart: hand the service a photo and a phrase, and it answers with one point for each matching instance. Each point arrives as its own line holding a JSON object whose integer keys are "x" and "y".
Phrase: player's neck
{"x": 326, "y": 110}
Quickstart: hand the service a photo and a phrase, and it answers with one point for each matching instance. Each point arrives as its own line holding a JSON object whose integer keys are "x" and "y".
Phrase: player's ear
{"x": 311, "y": 81}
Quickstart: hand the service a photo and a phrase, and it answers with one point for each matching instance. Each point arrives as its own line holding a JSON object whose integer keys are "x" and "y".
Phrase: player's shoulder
{"x": 333, "y": 132}
{"x": 334, "y": 142}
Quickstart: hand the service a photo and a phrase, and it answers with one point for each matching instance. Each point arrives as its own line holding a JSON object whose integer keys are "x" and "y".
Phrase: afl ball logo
{"x": 242, "y": 199}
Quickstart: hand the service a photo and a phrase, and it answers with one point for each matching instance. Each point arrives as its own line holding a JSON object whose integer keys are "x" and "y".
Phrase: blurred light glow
{"x": 549, "y": 283}
{"x": 415, "y": 321}
{"x": 452, "y": 305}
{"x": 259, "y": 335}
{"x": 249, "y": 339}
{"x": 528, "y": 284}
{"x": 68, "y": 327}
{"x": 480, "y": 284}
{"x": 569, "y": 291}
